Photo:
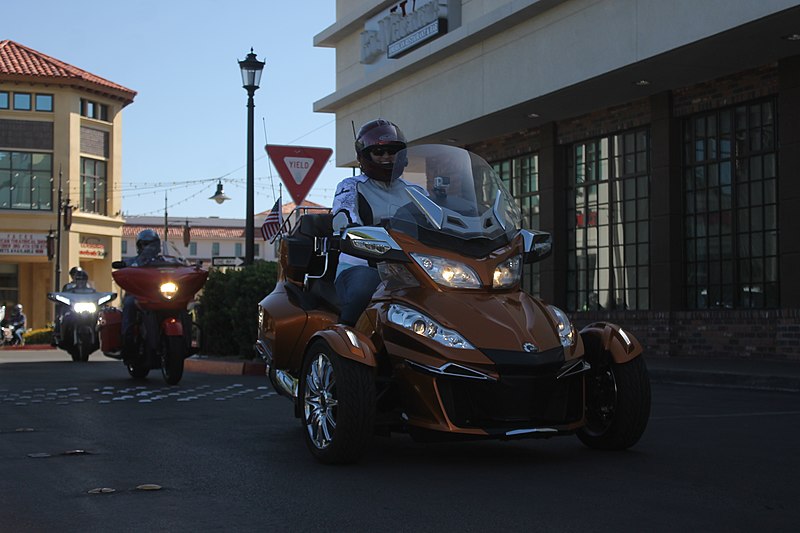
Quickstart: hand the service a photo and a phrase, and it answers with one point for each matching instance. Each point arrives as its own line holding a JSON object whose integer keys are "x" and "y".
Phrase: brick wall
{"x": 26, "y": 134}
{"x": 94, "y": 141}
{"x": 727, "y": 91}
{"x": 765, "y": 334}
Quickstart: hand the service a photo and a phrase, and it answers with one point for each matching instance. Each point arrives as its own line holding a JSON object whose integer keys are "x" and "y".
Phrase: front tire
{"x": 173, "y": 353}
{"x": 617, "y": 404}
{"x": 338, "y": 405}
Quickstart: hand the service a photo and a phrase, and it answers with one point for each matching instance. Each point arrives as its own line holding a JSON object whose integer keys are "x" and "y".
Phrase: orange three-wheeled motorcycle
{"x": 450, "y": 346}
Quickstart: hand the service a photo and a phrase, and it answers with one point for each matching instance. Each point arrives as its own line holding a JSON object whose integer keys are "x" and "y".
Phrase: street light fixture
{"x": 251, "y": 76}
{"x": 220, "y": 195}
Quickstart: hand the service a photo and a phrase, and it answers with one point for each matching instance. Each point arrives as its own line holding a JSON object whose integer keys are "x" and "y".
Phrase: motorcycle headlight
{"x": 448, "y": 272}
{"x": 566, "y": 331}
{"x": 85, "y": 307}
{"x": 169, "y": 290}
{"x": 507, "y": 273}
{"x": 426, "y": 326}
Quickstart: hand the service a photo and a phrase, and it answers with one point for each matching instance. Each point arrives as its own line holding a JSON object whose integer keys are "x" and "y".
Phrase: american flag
{"x": 272, "y": 224}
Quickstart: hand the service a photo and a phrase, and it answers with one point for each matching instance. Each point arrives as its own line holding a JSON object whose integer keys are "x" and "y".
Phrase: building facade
{"x": 656, "y": 141}
{"x": 201, "y": 239}
{"x": 60, "y": 139}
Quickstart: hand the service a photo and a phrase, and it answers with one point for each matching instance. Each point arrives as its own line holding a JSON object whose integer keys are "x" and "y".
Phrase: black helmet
{"x": 145, "y": 237}
{"x": 18, "y": 308}
{"x": 378, "y": 132}
{"x": 77, "y": 273}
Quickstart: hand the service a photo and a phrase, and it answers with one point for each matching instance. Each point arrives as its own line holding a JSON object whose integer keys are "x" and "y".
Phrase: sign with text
{"x": 298, "y": 166}
{"x": 227, "y": 261}
{"x": 23, "y": 243}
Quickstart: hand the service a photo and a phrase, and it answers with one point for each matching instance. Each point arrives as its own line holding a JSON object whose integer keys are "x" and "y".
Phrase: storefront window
{"x": 26, "y": 180}
{"x": 609, "y": 223}
{"x": 9, "y": 285}
{"x": 521, "y": 176}
{"x": 730, "y": 207}
{"x": 93, "y": 186}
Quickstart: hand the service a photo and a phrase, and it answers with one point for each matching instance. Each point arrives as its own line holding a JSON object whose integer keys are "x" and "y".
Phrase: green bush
{"x": 229, "y": 308}
{"x": 38, "y": 336}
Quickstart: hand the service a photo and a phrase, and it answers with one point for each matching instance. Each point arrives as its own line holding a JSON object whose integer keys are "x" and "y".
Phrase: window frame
{"x": 93, "y": 180}
{"x": 608, "y": 221}
{"x": 730, "y": 181}
{"x": 13, "y": 177}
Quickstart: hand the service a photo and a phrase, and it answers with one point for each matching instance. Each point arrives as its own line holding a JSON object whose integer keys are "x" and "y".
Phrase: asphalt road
{"x": 229, "y": 456}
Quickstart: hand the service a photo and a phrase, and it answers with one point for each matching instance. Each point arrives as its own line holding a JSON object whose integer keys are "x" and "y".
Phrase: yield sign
{"x": 298, "y": 166}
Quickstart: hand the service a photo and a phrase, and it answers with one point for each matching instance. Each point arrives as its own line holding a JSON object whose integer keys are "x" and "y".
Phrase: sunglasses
{"x": 381, "y": 150}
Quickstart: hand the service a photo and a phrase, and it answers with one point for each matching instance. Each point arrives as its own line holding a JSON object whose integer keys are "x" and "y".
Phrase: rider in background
{"x": 79, "y": 281}
{"x": 17, "y": 321}
{"x": 148, "y": 250}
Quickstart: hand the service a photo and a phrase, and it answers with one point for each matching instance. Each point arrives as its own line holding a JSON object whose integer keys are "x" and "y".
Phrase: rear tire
{"x": 173, "y": 353}
{"x": 338, "y": 405}
{"x": 617, "y": 404}
{"x": 137, "y": 367}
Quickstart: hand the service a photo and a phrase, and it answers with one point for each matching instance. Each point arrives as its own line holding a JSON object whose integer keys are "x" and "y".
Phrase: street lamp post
{"x": 251, "y": 76}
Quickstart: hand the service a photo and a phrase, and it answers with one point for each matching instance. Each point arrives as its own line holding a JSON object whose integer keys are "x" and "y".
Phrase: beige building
{"x": 656, "y": 140}
{"x": 207, "y": 238}
{"x": 60, "y": 126}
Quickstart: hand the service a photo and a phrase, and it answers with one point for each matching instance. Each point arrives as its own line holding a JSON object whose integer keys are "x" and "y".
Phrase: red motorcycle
{"x": 162, "y": 327}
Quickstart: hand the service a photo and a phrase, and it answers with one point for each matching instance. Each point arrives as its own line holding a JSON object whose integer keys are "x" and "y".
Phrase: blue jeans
{"x": 354, "y": 288}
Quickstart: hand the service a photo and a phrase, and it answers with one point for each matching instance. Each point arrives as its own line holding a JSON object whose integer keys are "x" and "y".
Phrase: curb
{"x": 203, "y": 365}
{"x": 725, "y": 380}
{"x": 29, "y": 347}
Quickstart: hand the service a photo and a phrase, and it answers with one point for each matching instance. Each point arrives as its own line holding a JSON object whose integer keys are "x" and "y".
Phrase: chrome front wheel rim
{"x": 320, "y": 403}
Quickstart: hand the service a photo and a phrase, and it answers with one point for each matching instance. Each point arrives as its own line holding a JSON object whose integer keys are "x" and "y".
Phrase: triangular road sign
{"x": 298, "y": 166}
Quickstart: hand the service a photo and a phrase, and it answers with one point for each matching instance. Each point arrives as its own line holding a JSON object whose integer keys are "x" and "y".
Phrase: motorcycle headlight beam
{"x": 507, "y": 273}
{"x": 169, "y": 290}
{"x": 85, "y": 307}
{"x": 448, "y": 272}
{"x": 566, "y": 331}
{"x": 425, "y": 326}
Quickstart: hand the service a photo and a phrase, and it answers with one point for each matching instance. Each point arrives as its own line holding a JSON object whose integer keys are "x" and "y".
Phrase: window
{"x": 521, "y": 176}
{"x": 9, "y": 284}
{"x": 193, "y": 249}
{"x": 22, "y": 101}
{"x": 256, "y": 249}
{"x": 124, "y": 247}
{"x": 26, "y": 180}
{"x": 609, "y": 223}
{"x": 44, "y": 102}
{"x": 214, "y": 249}
{"x": 94, "y": 110}
{"x": 3, "y": 99}
{"x": 93, "y": 186}
{"x": 730, "y": 204}
{"x": 238, "y": 248}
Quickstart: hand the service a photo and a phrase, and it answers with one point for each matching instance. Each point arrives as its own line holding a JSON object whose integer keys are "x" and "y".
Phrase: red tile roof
{"x": 196, "y": 232}
{"x": 20, "y": 63}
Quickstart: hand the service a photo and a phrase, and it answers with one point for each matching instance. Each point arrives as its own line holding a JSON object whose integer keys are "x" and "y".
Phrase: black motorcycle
{"x": 78, "y": 329}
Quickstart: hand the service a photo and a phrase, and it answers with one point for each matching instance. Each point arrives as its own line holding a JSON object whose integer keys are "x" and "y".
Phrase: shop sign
{"x": 91, "y": 251}
{"x": 401, "y": 28}
{"x": 23, "y": 243}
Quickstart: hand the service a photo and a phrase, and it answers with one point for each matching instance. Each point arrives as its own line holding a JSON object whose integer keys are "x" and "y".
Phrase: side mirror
{"x": 538, "y": 245}
{"x": 118, "y": 264}
{"x": 370, "y": 242}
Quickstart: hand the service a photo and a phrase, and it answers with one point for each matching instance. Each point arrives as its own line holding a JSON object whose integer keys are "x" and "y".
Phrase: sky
{"x": 187, "y": 126}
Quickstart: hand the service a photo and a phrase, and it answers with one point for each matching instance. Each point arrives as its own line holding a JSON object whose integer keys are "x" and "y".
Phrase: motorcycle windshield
{"x": 453, "y": 193}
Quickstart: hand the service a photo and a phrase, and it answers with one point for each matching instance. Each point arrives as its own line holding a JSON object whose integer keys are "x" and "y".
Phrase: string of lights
{"x": 143, "y": 189}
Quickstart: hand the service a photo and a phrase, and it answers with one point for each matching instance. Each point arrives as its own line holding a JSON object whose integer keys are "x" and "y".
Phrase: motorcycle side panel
{"x": 172, "y": 327}
{"x": 110, "y": 326}
{"x": 361, "y": 351}
{"x": 602, "y": 337}
{"x": 283, "y": 327}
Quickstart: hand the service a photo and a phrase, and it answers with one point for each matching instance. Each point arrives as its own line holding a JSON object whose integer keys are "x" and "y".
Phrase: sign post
{"x": 298, "y": 166}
